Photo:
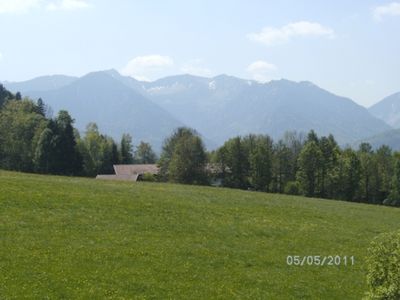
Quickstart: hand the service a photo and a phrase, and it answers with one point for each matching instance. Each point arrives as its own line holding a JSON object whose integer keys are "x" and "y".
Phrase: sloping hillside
{"x": 388, "y": 110}
{"x": 81, "y": 238}
{"x": 389, "y": 138}
{"x": 43, "y": 83}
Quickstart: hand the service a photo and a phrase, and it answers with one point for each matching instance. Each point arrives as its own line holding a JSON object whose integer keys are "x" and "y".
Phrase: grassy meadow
{"x": 74, "y": 238}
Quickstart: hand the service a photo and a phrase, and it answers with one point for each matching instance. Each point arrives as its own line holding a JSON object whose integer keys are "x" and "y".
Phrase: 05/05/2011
{"x": 318, "y": 260}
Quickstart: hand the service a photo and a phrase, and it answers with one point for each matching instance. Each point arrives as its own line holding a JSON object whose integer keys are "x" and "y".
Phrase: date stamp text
{"x": 320, "y": 260}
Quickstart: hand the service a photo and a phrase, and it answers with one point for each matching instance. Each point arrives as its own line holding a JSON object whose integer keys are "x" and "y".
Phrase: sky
{"x": 351, "y": 48}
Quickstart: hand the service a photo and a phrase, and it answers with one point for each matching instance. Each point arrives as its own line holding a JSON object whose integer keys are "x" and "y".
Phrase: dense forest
{"x": 32, "y": 140}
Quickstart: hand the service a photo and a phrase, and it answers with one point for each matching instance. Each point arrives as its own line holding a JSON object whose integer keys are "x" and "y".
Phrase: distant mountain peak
{"x": 113, "y": 72}
{"x": 388, "y": 110}
{"x": 110, "y": 73}
{"x": 308, "y": 83}
{"x": 282, "y": 81}
{"x": 223, "y": 76}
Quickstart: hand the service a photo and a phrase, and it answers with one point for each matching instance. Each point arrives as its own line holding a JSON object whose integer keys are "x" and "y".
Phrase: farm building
{"x": 130, "y": 172}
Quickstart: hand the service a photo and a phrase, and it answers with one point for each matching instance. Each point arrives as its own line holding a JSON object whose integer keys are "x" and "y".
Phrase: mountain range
{"x": 388, "y": 110}
{"x": 218, "y": 108}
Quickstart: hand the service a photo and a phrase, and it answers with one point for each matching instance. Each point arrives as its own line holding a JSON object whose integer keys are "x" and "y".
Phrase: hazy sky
{"x": 351, "y": 48}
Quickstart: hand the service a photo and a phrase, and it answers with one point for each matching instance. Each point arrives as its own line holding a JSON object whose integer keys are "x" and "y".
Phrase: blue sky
{"x": 348, "y": 47}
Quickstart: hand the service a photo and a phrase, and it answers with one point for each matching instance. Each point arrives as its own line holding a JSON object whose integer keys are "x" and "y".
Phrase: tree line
{"x": 311, "y": 166}
{"x": 297, "y": 164}
{"x": 31, "y": 140}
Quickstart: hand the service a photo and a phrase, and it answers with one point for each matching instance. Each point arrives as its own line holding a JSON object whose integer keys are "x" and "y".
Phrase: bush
{"x": 383, "y": 263}
{"x": 391, "y": 202}
{"x": 292, "y": 188}
{"x": 148, "y": 177}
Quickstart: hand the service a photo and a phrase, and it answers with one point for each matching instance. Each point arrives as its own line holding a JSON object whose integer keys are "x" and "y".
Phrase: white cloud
{"x": 143, "y": 67}
{"x": 196, "y": 67}
{"x": 260, "y": 70}
{"x": 18, "y": 6}
{"x": 391, "y": 9}
{"x": 68, "y": 5}
{"x": 271, "y": 35}
{"x": 1, "y": 56}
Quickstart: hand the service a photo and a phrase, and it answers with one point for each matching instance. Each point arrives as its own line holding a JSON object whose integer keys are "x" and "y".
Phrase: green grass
{"x": 76, "y": 238}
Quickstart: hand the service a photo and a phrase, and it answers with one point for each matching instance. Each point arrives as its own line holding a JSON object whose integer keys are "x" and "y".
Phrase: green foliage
{"x": 282, "y": 166}
{"x": 383, "y": 264}
{"x": 126, "y": 150}
{"x": 369, "y": 184}
{"x": 149, "y": 177}
{"x": 312, "y": 137}
{"x": 169, "y": 148}
{"x": 349, "y": 175}
{"x": 45, "y": 155}
{"x": 187, "y": 162}
{"x": 69, "y": 159}
{"x": 41, "y": 107}
{"x": 144, "y": 154}
{"x": 5, "y": 95}
{"x": 18, "y": 96}
{"x": 29, "y": 141}
{"x": 328, "y": 172}
{"x": 20, "y": 129}
{"x": 394, "y": 196}
{"x": 285, "y": 160}
{"x": 393, "y": 199}
{"x": 292, "y": 188}
{"x": 310, "y": 161}
{"x": 56, "y": 151}
{"x": 385, "y": 169}
{"x": 99, "y": 152}
{"x": 319, "y": 166}
{"x": 232, "y": 156}
{"x": 260, "y": 159}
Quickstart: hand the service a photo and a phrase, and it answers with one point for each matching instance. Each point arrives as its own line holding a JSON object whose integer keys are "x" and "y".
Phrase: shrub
{"x": 383, "y": 263}
{"x": 292, "y": 188}
{"x": 148, "y": 177}
{"x": 391, "y": 202}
